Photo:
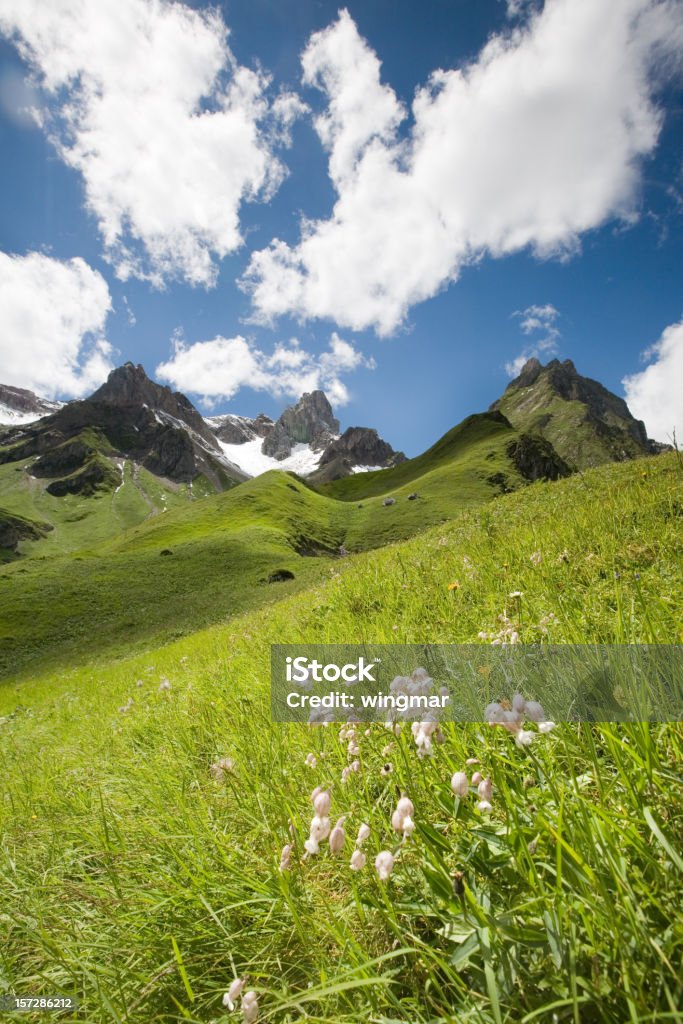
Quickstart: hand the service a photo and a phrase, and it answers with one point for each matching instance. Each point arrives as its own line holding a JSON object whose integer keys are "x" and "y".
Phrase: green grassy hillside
{"x": 459, "y": 461}
{"x": 78, "y": 520}
{"x": 143, "y": 881}
{"x": 115, "y": 572}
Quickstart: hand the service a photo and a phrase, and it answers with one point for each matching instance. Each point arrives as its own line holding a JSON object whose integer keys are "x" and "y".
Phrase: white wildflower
{"x": 358, "y": 860}
{"x": 320, "y": 828}
{"x": 250, "y": 1007}
{"x": 384, "y": 864}
{"x": 459, "y": 784}
{"x": 363, "y": 833}
{"x": 234, "y": 992}
{"x": 402, "y": 818}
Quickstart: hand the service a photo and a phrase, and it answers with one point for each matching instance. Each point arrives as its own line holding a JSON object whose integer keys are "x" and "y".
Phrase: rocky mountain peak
{"x": 130, "y": 385}
{"x": 311, "y": 421}
{"x": 357, "y": 447}
{"x": 586, "y": 423}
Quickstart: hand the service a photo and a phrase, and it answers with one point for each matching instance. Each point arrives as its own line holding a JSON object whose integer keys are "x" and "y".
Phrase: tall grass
{"x": 133, "y": 878}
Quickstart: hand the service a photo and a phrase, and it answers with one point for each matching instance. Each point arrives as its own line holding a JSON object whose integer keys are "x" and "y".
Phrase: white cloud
{"x": 655, "y": 395}
{"x": 218, "y": 368}
{"x": 170, "y": 134}
{"x": 53, "y": 315}
{"x": 540, "y": 139}
{"x": 539, "y": 323}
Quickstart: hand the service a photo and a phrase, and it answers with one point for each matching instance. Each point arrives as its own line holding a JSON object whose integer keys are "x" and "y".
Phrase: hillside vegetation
{"x": 143, "y": 876}
{"x": 146, "y": 563}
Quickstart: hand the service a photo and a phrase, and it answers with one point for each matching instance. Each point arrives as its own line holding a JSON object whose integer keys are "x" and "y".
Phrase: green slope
{"x": 139, "y": 883}
{"x": 178, "y": 571}
{"x": 94, "y": 582}
{"x": 79, "y": 520}
{"x": 142, "y": 562}
{"x": 474, "y": 450}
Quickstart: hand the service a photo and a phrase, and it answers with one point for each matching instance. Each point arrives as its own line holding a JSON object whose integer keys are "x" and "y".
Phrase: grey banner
{"x": 507, "y": 685}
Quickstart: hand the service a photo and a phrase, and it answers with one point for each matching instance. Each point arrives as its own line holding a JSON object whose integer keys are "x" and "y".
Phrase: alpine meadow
{"x": 323, "y": 329}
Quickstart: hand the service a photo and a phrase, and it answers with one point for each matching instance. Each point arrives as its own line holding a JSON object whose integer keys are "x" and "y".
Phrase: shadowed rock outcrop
{"x": 311, "y": 421}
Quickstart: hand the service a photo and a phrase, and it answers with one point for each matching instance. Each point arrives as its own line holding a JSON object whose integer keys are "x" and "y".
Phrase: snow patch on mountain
{"x": 10, "y": 417}
{"x": 250, "y": 459}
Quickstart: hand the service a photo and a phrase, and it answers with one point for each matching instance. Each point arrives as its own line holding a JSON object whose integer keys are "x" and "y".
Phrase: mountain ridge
{"x": 585, "y": 422}
{"x": 149, "y": 449}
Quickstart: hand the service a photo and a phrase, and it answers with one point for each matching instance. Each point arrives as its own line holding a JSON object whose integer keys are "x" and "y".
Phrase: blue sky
{"x": 397, "y": 203}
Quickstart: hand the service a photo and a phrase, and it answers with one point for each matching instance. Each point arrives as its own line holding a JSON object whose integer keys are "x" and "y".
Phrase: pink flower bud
{"x": 485, "y": 789}
{"x": 476, "y": 778}
{"x": 459, "y": 784}
{"x": 250, "y": 1007}
{"x": 534, "y": 711}
{"x": 286, "y": 858}
{"x": 322, "y": 803}
{"x": 337, "y": 839}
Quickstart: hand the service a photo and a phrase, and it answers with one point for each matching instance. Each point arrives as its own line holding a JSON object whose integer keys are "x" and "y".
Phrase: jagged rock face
{"x": 234, "y": 430}
{"x": 361, "y": 446}
{"x": 311, "y": 421}
{"x": 536, "y": 459}
{"x": 130, "y": 385}
{"x": 585, "y": 422}
{"x": 239, "y": 429}
{"x": 129, "y": 416}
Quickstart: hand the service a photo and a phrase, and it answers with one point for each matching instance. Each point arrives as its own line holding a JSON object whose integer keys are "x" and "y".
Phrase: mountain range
{"x": 150, "y": 450}
{"x": 129, "y": 518}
